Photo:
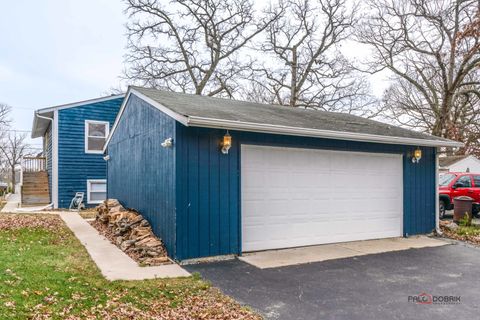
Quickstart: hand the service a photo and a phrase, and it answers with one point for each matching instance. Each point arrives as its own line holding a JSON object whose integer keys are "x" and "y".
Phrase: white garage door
{"x": 296, "y": 197}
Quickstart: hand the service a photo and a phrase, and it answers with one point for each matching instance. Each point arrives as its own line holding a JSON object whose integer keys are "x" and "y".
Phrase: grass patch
{"x": 89, "y": 213}
{"x": 468, "y": 231}
{"x": 45, "y": 273}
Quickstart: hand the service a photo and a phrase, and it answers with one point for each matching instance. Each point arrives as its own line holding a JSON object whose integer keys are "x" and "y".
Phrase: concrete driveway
{"x": 374, "y": 286}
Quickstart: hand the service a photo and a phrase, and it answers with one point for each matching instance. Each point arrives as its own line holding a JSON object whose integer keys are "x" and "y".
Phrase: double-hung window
{"x": 96, "y": 132}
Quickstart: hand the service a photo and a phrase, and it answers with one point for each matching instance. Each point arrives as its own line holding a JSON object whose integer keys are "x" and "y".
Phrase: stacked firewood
{"x": 131, "y": 233}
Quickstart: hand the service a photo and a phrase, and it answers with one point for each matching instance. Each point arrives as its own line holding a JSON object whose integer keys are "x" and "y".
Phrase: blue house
{"x": 73, "y": 138}
{"x": 222, "y": 177}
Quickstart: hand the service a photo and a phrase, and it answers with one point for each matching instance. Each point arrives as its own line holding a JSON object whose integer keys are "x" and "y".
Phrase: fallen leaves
{"x": 29, "y": 221}
{"x": 45, "y": 273}
{"x": 209, "y": 305}
{"x": 470, "y": 238}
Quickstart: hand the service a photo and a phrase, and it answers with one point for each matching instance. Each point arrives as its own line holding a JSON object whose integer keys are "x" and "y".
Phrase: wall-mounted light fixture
{"x": 167, "y": 143}
{"x": 417, "y": 155}
{"x": 106, "y": 157}
{"x": 226, "y": 143}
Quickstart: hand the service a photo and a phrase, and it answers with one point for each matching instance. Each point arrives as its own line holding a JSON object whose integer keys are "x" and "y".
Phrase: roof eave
{"x": 36, "y": 133}
{"x": 80, "y": 103}
{"x": 194, "y": 121}
{"x": 306, "y": 132}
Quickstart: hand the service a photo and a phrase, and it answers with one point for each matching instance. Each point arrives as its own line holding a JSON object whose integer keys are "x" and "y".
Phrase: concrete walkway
{"x": 13, "y": 202}
{"x": 287, "y": 257}
{"x": 113, "y": 262}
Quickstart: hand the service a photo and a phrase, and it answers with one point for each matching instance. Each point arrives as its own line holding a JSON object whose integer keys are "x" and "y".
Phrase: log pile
{"x": 130, "y": 232}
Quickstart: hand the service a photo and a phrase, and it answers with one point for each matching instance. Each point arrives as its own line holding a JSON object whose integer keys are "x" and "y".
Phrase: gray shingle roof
{"x": 189, "y": 105}
{"x": 449, "y": 160}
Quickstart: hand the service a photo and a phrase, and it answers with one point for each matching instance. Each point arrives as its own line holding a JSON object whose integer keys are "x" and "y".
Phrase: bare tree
{"x": 4, "y": 117}
{"x": 13, "y": 148}
{"x": 308, "y": 69}
{"x": 191, "y": 45}
{"x": 433, "y": 52}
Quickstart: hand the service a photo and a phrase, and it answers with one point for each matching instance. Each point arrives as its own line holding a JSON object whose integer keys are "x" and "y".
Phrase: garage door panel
{"x": 295, "y": 197}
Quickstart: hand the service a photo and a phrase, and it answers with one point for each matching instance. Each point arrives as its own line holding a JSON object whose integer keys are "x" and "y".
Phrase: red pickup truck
{"x": 455, "y": 184}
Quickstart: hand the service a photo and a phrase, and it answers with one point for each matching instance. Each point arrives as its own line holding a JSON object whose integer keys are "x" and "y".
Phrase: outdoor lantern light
{"x": 167, "y": 143}
{"x": 226, "y": 143}
{"x": 417, "y": 155}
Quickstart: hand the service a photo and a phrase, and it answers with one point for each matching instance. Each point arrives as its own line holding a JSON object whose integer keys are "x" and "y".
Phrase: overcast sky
{"x": 59, "y": 51}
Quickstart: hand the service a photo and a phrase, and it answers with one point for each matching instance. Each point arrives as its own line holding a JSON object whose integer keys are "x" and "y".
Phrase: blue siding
{"x": 208, "y": 186}
{"x": 75, "y": 166}
{"x": 191, "y": 193}
{"x": 141, "y": 173}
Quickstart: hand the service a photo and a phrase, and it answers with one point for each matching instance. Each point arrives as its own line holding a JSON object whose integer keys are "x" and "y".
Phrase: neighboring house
{"x": 465, "y": 163}
{"x": 73, "y": 138}
{"x": 219, "y": 177}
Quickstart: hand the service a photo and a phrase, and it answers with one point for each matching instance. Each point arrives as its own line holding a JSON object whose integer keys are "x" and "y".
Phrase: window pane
{"x": 98, "y": 187}
{"x": 465, "y": 181}
{"x": 96, "y": 144}
{"x": 97, "y": 130}
{"x": 445, "y": 179}
{"x": 476, "y": 180}
{"x": 98, "y": 196}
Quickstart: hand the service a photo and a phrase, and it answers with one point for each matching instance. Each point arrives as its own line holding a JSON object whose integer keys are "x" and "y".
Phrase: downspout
{"x": 437, "y": 196}
{"x": 52, "y": 122}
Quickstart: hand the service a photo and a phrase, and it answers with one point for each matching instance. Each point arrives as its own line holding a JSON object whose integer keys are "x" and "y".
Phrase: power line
{"x": 23, "y": 108}
{"x": 15, "y": 130}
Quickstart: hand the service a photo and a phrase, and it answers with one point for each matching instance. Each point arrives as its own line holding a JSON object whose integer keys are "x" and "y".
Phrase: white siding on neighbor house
{"x": 471, "y": 163}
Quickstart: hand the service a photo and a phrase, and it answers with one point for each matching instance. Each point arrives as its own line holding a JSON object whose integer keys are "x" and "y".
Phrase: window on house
{"x": 96, "y": 133}
{"x": 96, "y": 191}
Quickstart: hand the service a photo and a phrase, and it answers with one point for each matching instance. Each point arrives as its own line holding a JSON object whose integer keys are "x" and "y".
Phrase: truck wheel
{"x": 442, "y": 209}
{"x": 476, "y": 211}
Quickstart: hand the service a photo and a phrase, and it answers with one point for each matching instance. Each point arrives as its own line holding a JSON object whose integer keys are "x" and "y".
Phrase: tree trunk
{"x": 13, "y": 179}
{"x": 293, "y": 89}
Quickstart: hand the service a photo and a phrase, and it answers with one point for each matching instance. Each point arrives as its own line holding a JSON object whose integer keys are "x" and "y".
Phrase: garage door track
{"x": 378, "y": 286}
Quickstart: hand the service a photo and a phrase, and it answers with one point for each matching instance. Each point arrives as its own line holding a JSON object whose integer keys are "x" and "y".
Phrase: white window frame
{"x": 107, "y": 131}
{"x": 89, "y": 189}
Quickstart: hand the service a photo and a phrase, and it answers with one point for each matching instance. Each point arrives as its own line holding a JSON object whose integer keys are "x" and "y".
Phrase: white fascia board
{"x": 306, "y": 132}
{"x": 178, "y": 117}
{"x": 69, "y": 105}
{"x": 79, "y": 103}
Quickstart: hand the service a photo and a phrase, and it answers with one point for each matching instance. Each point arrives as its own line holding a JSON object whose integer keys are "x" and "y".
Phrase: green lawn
{"x": 45, "y": 273}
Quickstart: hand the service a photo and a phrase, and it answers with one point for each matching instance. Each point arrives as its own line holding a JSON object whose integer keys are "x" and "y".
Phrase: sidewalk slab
{"x": 113, "y": 263}
{"x": 13, "y": 202}
{"x": 287, "y": 257}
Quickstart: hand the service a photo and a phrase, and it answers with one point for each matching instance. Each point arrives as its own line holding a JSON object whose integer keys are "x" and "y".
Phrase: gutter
{"x": 43, "y": 117}
{"x": 306, "y": 132}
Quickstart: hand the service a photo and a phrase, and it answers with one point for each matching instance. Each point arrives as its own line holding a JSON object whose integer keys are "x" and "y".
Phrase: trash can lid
{"x": 464, "y": 198}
